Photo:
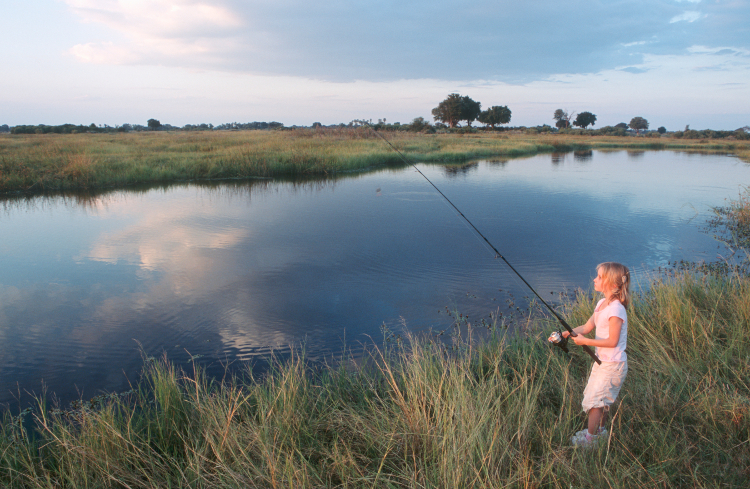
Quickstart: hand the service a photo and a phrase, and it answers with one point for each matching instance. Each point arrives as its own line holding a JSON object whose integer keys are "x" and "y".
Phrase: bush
{"x": 611, "y": 131}
{"x": 576, "y": 132}
{"x": 711, "y": 134}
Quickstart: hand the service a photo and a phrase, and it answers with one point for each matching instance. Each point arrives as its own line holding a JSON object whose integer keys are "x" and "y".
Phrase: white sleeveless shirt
{"x": 601, "y": 320}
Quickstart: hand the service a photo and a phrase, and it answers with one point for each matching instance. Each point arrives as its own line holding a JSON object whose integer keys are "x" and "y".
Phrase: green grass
{"x": 496, "y": 412}
{"x": 97, "y": 161}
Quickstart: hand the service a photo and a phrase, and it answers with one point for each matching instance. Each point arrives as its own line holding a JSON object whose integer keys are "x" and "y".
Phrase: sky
{"x": 674, "y": 62}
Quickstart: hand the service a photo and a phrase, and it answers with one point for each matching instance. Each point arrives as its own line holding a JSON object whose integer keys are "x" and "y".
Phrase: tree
{"x": 153, "y": 125}
{"x": 562, "y": 117}
{"x": 419, "y": 124}
{"x": 449, "y": 110}
{"x": 470, "y": 109}
{"x": 585, "y": 119}
{"x": 661, "y": 130}
{"x": 621, "y": 125}
{"x": 496, "y": 114}
{"x": 457, "y": 108}
{"x": 638, "y": 123}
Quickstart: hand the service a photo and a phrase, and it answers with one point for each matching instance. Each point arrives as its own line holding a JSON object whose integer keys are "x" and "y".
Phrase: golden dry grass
{"x": 96, "y": 161}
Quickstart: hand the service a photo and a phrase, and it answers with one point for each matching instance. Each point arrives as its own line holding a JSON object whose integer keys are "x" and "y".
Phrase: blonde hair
{"x": 617, "y": 276}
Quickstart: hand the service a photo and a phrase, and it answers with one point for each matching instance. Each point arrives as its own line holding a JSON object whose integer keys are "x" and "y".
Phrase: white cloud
{"x": 157, "y": 29}
{"x": 346, "y": 40}
{"x": 159, "y": 18}
{"x": 689, "y": 16}
{"x": 103, "y": 53}
{"x": 721, "y": 50}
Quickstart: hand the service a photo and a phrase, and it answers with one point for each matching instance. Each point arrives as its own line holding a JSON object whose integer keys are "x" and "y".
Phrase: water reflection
{"x": 497, "y": 162}
{"x": 583, "y": 156}
{"x": 456, "y": 170}
{"x": 235, "y": 270}
{"x": 636, "y": 154}
{"x": 94, "y": 201}
{"x": 557, "y": 158}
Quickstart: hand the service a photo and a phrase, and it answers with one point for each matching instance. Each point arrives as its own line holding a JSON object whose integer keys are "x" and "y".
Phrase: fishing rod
{"x": 557, "y": 339}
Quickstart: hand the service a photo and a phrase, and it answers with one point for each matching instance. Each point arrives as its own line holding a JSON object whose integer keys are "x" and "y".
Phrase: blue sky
{"x": 674, "y": 62}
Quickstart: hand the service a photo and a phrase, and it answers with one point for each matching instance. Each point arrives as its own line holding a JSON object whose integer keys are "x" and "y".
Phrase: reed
{"x": 486, "y": 410}
{"x": 97, "y": 161}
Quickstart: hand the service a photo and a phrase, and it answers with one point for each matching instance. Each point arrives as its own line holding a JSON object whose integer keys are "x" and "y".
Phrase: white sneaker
{"x": 584, "y": 440}
{"x": 580, "y": 435}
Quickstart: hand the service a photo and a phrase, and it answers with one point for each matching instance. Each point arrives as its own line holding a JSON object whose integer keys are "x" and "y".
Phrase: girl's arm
{"x": 582, "y": 330}
{"x": 615, "y": 326}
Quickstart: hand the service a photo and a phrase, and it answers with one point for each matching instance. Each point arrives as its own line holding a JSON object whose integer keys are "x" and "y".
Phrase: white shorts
{"x": 604, "y": 384}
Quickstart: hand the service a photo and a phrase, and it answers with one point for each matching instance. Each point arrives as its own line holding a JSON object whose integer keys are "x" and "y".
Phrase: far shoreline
{"x": 31, "y": 164}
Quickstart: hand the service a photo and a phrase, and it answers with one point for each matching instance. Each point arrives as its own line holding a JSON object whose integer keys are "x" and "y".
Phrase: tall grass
{"x": 95, "y": 161}
{"x": 496, "y": 411}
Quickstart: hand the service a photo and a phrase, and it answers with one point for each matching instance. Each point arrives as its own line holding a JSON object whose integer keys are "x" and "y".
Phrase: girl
{"x": 611, "y": 322}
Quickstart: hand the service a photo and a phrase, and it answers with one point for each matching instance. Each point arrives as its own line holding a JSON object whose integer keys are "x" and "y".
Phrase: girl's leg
{"x": 597, "y": 419}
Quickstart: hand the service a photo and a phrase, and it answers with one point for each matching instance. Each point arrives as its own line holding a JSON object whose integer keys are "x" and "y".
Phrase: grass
{"x": 731, "y": 224}
{"x": 96, "y": 161}
{"x": 489, "y": 413}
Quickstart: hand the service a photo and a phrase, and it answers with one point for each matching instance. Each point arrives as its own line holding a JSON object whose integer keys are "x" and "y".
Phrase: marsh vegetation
{"x": 95, "y": 161}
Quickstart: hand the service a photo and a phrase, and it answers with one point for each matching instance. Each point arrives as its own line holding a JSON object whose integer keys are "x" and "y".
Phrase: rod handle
{"x": 586, "y": 348}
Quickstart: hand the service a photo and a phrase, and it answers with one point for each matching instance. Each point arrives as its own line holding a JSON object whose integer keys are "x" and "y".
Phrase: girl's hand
{"x": 565, "y": 334}
{"x": 580, "y": 340}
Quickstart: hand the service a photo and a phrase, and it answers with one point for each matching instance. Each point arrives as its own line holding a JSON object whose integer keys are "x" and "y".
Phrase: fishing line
{"x": 487, "y": 241}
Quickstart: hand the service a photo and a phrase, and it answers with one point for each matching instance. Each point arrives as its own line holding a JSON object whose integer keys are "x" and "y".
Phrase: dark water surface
{"x": 233, "y": 271}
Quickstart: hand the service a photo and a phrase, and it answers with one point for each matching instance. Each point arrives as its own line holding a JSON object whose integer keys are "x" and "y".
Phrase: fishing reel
{"x": 557, "y": 339}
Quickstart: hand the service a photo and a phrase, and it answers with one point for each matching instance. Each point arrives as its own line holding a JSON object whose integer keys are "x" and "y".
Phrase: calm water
{"x": 234, "y": 271}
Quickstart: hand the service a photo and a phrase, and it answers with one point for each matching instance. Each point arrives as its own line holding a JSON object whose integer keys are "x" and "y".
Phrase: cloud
{"x": 158, "y": 31}
{"x": 633, "y": 69}
{"x": 719, "y": 50}
{"x": 159, "y": 18}
{"x": 104, "y": 53}
{"x": 636, "y": 43}
{"x": 350, "y": 40}
{"x": 689, "y": 16}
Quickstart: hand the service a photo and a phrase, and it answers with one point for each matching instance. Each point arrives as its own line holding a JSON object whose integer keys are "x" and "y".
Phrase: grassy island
{"x": 39, "y": 162}
{"x": 484, "y": 414}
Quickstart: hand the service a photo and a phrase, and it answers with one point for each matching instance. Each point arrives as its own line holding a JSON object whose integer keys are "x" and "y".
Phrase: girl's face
{"x": 599, "y": 284}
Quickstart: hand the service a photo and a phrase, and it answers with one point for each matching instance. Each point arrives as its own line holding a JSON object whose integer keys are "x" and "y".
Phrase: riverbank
{"x": 492, "y": 413}
{"x": 34, "y": 163}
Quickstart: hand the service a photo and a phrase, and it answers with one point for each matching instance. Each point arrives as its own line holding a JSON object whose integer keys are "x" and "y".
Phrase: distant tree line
{"x": 62, "y": 129}
{"x": 741, "y": 133}
{"x": 248, "y": 126}
{"x": 151, "y": 125}
{"x": 448, "y": 115}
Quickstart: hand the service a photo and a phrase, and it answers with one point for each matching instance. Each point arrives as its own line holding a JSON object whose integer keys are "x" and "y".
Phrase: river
{"x": 229, "y": 273}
